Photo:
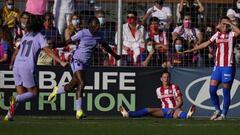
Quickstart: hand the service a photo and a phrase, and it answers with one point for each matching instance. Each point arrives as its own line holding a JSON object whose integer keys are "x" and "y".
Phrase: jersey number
{"x": 27, "y": 45}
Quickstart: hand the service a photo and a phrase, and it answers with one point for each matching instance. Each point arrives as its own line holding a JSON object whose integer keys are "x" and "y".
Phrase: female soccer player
{"x": 171, "y": 98}
{"x": 224, "y": 70}
{"x": 24, "y": 68}
{"x": 82, "y": 56}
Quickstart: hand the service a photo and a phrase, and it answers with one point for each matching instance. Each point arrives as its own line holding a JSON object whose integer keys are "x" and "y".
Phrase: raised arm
{"x": 201, "y": 8}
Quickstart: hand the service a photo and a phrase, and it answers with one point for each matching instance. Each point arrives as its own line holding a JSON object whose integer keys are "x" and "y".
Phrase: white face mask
{"x": 75, "y": 22}
{"x": 23, "y": 25}
{"x": 149, "y": 48}
{"x": 238, "y": 5}
{"x": 10, "y": 6}
{"x": 101, "y": 20}
{"x": 178, "y": 47}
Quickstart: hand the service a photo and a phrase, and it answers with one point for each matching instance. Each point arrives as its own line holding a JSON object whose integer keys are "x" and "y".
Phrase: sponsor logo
{"x": 203, "y": 93}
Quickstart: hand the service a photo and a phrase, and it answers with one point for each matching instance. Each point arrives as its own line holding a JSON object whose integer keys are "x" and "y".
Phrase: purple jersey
{"x": 31, "y": 45}
{"x": 87, "y": 44}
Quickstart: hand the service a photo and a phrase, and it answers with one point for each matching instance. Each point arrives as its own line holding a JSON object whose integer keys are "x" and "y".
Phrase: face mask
{"x": 23, "y": 25}
{"x": 178, "y": 47}
{"x": 149, "y": 48}
{"x": 46, "y": 25}
{"x": 10, "y": 6}
{"x": 130, "y": 20}
{"x": 75, "y": 22}
{"x": 238, "y": 5}
{"x": 186, "y": 24}
{"x": 101, "y": 20}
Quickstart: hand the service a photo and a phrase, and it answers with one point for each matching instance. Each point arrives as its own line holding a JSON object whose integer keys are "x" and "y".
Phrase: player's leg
{"x": 227, "y": 80}
{"x": 178, "y": 113}
{"x": 68, "y": 87}
{"x": 215, "y": 78}
{"x": 80, "y": 75}
{"x": 13, "y": 105}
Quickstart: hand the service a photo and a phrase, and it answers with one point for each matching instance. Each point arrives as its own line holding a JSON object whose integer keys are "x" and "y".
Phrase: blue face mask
{"x": 10, "y": 6}
{"x": 178, "y": 47}
{"x": 76, "y": 22}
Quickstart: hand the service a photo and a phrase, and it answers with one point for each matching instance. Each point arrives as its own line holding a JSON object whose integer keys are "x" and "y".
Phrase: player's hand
{"x": 187, "y": 51}
{"x": 10, "y": 67}
{"x": 118, "y": 57}
{"x": 171, "y": 111}
{"x": 64, "y": 64}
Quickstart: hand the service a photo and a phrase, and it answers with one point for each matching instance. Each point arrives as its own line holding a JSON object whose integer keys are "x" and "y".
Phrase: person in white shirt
{"x": 163, "y": 13}
{"x": 62, "y": 10}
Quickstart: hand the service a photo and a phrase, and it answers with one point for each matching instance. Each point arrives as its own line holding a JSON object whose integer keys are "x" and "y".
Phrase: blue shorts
{"x": 223, "y": 74}
{"x": 165, "y": 113}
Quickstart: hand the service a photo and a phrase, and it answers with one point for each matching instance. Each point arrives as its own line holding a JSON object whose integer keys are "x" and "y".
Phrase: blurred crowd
{"x": 154, "y": 39}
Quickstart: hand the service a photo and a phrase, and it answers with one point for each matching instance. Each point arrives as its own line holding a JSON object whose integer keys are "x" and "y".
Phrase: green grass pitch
{"x": 93, "y": 125}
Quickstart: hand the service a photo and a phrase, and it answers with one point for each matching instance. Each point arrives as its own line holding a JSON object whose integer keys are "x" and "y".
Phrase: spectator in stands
{"x": 75, "y": 24}
{"x": 10, "y": 15}
{"x": 163, "y": 13}
{"x": 44, "y": 58}
{"x": 4, "y": 49}
{"x": 150, "y": 54}
{"x": 67, "y": 7}
{"x": 177, "y": 58}
{"x": 20, "y": 28}
{"x": 133, "y": 40}
{"x": 234, "y": 12}
{"x": 50, "y": 32}
{"x": 194, "y": 10}
{"x": 160, "y": 41}
{"x": 36, "y": 7}
{"x": 192, "y": 35}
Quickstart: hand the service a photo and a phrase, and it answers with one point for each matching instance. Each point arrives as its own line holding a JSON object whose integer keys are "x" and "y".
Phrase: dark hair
{"x": 179, "y": 38}
{"x": 224, "y": 17}
{"x": 35, "y": 23}
{"x": 132, "y": 12}
{"x": 50, "y": 15}
{"x": 93, "y": 20}
{"x": 24, "y": 13}
{"x": 154, "y": 19}
{"x": 165, "y": 71}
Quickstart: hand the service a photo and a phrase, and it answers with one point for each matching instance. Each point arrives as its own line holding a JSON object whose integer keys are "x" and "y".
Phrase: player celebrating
{"x": 224, "y": 70}
{"x": 24, "y": 68}
{"x": 171, "y": 99}
{"x": 81, "y": 60}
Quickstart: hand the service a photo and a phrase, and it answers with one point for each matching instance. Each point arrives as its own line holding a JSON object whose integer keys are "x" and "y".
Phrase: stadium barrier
{"x": 108, "y": 88}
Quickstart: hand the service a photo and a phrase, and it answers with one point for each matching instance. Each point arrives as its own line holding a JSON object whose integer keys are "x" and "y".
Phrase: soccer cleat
{"x": 53, "y": 94}
{"x": 123, "y": 112}
{"x": 12, "y": 105}
{"x": 8, "y": 118}
{"x": 221, "y": 117}
{"x": 215, "y": 115}
{"x": 79, "y": 114}
{"x": 191, "y": 111}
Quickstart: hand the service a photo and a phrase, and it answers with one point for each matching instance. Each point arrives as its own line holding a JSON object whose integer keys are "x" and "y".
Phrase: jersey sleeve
{"x": 176, "y": 91}
{"x": 42, "y": 41}
{"x": 214, "y": 37}
{"x": 158, "y": 93}
{"x": 77, "y": 36}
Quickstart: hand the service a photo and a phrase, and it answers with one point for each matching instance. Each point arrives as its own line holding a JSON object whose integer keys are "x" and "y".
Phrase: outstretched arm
{"x": 199, "y": 47}
{"x": 54, "y": 56}
{"x": 109, "y": 50}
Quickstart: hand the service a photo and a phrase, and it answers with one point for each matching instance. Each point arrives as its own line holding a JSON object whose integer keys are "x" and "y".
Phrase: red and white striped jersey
{"x": 224, "y": 52}
{"x": 168, "y": 95}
